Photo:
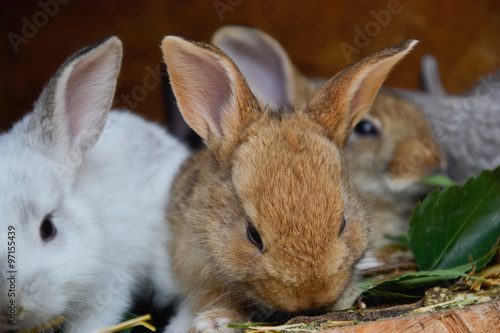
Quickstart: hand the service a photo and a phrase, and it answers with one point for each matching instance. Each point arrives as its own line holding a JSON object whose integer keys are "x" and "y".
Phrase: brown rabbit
{"x": 265, "y": 219}
{"x": 391, "y": 151}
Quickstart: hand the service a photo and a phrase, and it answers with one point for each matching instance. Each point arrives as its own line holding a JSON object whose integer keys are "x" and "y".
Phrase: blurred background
{"x": 321, "y": 36}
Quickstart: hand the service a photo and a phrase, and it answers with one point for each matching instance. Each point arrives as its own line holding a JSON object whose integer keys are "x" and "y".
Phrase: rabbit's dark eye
{"x": 254, "y": 237}
{"x": 47, "y": 229}
{"x": 364, "y": 127}
{"x": 342, "y": 226}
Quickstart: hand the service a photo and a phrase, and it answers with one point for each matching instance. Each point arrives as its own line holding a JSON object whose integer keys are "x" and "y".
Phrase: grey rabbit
{"x": 467, "y": 126}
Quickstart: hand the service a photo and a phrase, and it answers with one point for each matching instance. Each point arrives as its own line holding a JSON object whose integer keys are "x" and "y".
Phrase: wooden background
{"x": 463, "y": 35}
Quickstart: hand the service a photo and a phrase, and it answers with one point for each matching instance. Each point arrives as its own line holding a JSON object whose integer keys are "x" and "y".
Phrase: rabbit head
{"x": 49, "y": 258}
{"x": 393, "y": 149}
{"x": 390, "y": 152}
{"x": 266, "y": 213}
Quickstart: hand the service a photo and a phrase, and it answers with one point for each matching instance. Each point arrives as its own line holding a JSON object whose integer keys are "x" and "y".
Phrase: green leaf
{"x": 413, "y": 285}
{"x": 458, "y": 222}
{"x": 367, "y": 283}
{"x": 378, "y": 296}
{"x": 439, "y": 180}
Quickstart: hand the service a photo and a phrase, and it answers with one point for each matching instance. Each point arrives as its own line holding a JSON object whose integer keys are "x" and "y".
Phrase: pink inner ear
{"x": 87, "y": 91}
{"x": 203, "y": 90}
{"x": 217, "y": 89}
{"x": 262, "y": 67}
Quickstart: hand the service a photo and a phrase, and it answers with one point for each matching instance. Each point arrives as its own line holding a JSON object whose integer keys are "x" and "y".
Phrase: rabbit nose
{"x": 417, "y": 159}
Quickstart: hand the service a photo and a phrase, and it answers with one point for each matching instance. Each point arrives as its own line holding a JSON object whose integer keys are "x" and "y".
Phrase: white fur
{"x": 181, "y": 321}
{"x": 207, "y": 322}
{"x": 213, "y": 325}
{"x": 107, "y": 202}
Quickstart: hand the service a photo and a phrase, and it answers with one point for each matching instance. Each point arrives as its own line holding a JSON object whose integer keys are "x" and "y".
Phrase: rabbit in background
{"x": 391, "y": 151}
{"x": 388, "y": 155}
{"x": 264, "y": 219}
{"x": 467, "y": 126}
{"x": 85, "y": 191}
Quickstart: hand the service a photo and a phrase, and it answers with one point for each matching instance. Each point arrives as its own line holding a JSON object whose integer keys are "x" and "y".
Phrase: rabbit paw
{"x": 215, "y": 321}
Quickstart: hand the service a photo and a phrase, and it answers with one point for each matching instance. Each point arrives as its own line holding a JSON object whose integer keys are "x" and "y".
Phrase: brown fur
{"x": 281, "y": 171}
{"x": 388, "y": 170}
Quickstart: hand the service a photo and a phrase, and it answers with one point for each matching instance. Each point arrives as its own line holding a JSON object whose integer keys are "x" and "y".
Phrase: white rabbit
{"x": 84, "y": 196}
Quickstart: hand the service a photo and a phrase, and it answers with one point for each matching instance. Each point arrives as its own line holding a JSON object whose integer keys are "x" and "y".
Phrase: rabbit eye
{"x": 364, "y": 127}
{"x": 254, "y": 237}
{"x": 47, "y": 229}
{"x": 342, "y": 226}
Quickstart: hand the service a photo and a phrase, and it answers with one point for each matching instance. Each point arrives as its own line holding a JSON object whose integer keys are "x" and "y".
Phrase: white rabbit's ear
{"x": 344, "y": 99}
{"x": 72, "y": 110}
{"x": 430, "y": 76}
{"x": 212, "y": 94}
{"x": 264, "y": 63}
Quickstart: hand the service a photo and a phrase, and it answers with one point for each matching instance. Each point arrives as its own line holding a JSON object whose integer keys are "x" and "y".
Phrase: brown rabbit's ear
{"x": 345, "y": 98}
{"x": 212, "y": 94}
{"x": 265, "y": 64}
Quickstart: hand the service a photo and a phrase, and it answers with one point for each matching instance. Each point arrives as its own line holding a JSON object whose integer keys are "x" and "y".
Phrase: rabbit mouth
{"x": 265, "y": 310}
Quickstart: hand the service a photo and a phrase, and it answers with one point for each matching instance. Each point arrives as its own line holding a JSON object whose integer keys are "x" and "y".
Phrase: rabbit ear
{"x": 71, "y": 112}
{"x": 345, "y": 98}
{"x": 212, "y": 94}
{"x": 262, "y": 61}
{"x": 430, "y": 76}
{"x": 176, "y": 124}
